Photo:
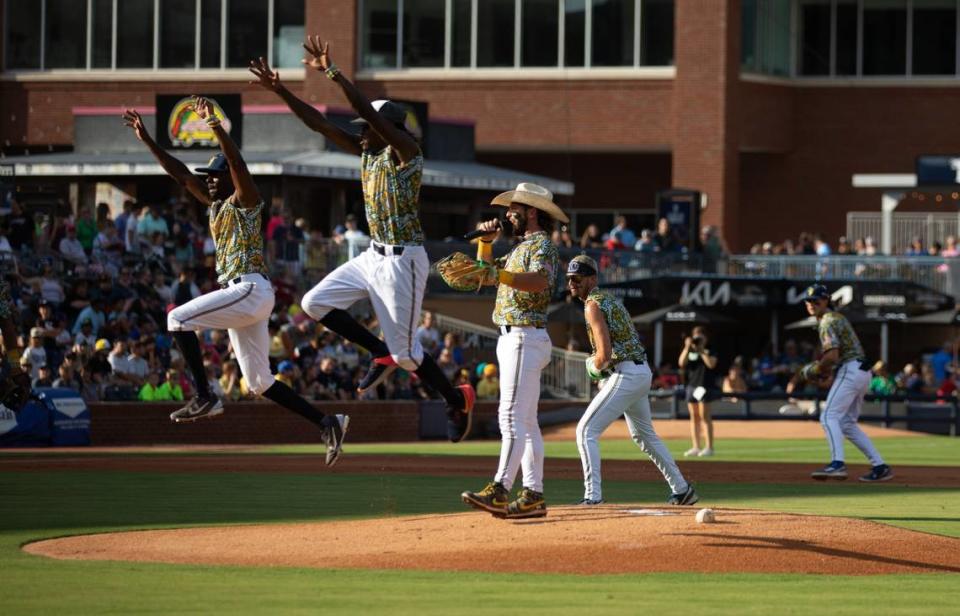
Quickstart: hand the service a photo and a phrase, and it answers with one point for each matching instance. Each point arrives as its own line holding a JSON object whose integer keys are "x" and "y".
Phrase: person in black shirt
{"x": 696, "y": 362}
{"x": 20, "y": 225}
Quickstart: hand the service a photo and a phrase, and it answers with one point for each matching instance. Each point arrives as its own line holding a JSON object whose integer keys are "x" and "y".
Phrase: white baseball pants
{"x": 523, "y": 353}
{"x": 243, "y": 309}
{"x": 625, "y": 393}
{"x": 394, "y": 284}
{"x": 842, "y": 409}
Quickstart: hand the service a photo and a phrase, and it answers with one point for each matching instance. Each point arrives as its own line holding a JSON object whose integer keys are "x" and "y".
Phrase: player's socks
{"x": 340, "y": 322}
{"x": 289, "y": 399}
{"x": 190, "y": 347}
{"x": 432, "y": 375}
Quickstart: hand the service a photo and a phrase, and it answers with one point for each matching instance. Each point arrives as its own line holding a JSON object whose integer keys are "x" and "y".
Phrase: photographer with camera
{"x": 696, "y": 362}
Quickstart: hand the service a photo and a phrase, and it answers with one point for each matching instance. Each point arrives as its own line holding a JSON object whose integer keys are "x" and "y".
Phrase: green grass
{"x": 921, "y": 451}
{"x": 45, "y": 504}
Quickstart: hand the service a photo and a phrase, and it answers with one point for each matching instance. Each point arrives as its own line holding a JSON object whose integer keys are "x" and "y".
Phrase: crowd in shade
{"x": 813, "y": 244}
{"x": 92, "y": 292}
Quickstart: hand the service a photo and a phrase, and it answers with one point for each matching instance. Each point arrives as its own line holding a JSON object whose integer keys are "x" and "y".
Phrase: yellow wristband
{"x": 485, "y": 251}
{"x": 506, "y": 277}
{"x": 332, "y": 72}
{"x": 13, "y": 356}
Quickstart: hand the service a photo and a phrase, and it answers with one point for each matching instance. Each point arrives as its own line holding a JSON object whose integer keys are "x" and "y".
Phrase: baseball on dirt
{"x": 706, "y": 516}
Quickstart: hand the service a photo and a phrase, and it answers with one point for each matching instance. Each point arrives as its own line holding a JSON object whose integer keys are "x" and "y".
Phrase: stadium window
{"x": 65, "y": 34}
{"x": 934, "y": 37}
{"x": 210, "y": 28}
{"x": 423, "y": 33}
{"x": 656, "y": 33}
{"x": 23, "y": 35}
{"x": 178, "y": 22}
{"x": 460, "y": 34}
{"x": 885, "y": 37}
{"x": 815, "y": 25}
{"x": 289, "y": 33}
{"x": 574, "y": 29}
{"x": 135, "y": 34}
{"x": 846, "y": 39}
{"x": 748, "y": 35}
{"x": 247, "y": 31}
{"x": 379, "y": 47}
{"x": 539, "y": 32}
{"x": 101, "y": 34}
{"x": 612, "y": 32}
{"x": 495, "y": 33}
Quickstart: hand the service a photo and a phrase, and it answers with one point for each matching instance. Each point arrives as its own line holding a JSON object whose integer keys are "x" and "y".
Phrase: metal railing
{"x": 928, "y": 226}
{"x": 564, "y": 377}
{"x": 938, "y": 273}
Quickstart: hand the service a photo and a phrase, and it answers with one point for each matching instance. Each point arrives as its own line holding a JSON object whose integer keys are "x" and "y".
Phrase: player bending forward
{"x": 619, "y": 362}
{"x": 245, "y": 300}
{"x": 392, "y": 273}
{"x": 526, "y": 282}
{"x": 840, "y": 347}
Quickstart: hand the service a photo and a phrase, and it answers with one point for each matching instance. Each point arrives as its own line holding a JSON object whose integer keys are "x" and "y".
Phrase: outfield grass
{"x": 898, "y": 451}
{"x": 45, "y": 504}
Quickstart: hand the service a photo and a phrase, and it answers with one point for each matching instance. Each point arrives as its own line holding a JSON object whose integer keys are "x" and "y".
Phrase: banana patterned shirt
{"x": 236, "y": 233}
{"x": 536, "y": 253}
{"x": 836, "y": 333}
{"x": 624, "y": 340}
{"x": 391, "y": 197}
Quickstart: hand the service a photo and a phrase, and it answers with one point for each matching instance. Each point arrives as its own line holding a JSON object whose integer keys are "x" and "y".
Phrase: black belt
{"x": 384, "y": 250}
{"x": 505, "y": 329}
{"x": 865, "y": 365}
{"x": 238, "y": 280}
{"x": 636, "y": 362}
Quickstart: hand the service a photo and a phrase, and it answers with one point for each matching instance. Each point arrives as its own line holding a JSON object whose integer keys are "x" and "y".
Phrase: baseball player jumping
{"x": 243, "y": 304}
{"x": 526, "y": 278}
{"x": 392, "y": 273}
{"x": 840, "y": 347}
{"x": 619, "y": 362}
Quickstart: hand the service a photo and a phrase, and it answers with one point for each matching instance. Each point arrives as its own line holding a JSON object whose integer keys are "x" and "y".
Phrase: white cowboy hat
{"x": 533, "y": 195}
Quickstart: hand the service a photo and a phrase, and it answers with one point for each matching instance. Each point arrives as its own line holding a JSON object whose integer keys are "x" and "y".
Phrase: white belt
{"x": 506, "y": 329}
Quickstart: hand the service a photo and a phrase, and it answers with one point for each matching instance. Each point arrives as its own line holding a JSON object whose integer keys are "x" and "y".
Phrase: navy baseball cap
{"x": 815, "y": 292}
{"x": 217, "y": 164}
{"x": 582, "y": 265}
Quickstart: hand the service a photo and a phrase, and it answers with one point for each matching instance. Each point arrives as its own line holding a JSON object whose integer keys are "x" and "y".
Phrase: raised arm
{"x": 174, "y": 168}
{"x": 245, "y": 191}
{"x": 269, "y": 79}
{"x": 319, "y": 59}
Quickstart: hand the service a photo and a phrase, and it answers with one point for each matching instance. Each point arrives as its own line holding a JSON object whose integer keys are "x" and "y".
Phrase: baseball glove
{"x": 462, "y": 273}
{"x": 14, "y": 387}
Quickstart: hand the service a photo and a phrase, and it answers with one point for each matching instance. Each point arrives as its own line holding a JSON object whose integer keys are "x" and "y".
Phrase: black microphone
{"x": 477, "y": 232}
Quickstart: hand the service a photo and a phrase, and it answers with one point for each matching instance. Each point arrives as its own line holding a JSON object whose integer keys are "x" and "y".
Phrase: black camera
{"x": 698, "y": 340}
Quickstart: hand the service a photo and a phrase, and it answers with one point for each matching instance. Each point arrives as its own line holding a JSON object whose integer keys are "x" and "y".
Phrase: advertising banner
{"x": 179, "y": 126}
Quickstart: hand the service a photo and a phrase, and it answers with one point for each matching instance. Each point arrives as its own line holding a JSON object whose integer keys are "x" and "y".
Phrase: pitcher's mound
{"x": 594, "y": 540}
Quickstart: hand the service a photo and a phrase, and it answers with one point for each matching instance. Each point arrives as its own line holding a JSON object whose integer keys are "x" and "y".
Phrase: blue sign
{"x": 56, "y": 416}
{"x": 938, "y": 170}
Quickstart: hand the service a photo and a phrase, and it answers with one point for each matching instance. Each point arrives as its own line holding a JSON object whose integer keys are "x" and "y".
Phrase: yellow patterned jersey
{"x": 391, "y": 197}
{"x": 236, "y": 233}
{"x": 536, "y": 253}
{"x": 624, "y": 340}
{"x": 837, "y": 333}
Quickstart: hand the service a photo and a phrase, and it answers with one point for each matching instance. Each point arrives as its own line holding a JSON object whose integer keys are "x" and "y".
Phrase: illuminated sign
{"x": 179, "y": 126}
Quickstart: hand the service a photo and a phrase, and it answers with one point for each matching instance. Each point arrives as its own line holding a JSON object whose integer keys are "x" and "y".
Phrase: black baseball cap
{"x": 395, "y": 113}
{"x": 815, "y": 292}
{"x": 217, "y": 164}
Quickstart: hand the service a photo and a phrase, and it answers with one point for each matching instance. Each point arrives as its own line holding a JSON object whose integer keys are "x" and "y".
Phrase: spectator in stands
{"x": 93, "y": 313}
{"x": 67, "y": 378}
{"x": 44, "y": 377}
{"x": 137, "y": 365}
{"x": 20, "y": 228}
{"x": 151, "y": 222}
{"x": 428, "y": 335}
{"x": 447, "y": 365}
{"x": 185, "y": 288}
{"x": 561, "y": 239}
{"x": 330, "y": 385}
{"x": 452, "y": 341}
{"x": 843, "y": 246}
{"x": 734, "y": 383}
{"x": 35, "y": 354}
{"x": 5, "y": 246}
{"x": 915, "y": 249}
{"x": 170, "y": 389}
{"x": 941, "y": 359}
{"x": 950, "y": 249}
{"x": 357, "y": 240}
{"x": 86, "y": 227}
{"x": 667, "y": 377}
{"x": 287, "y": 374}
{"x": 51, "y": 288}
{"x": 230, "y": 381}
{"x": 71, "y": 249}
{"x": 713, "y": 247}
{"x": 591, "y": 238}
{"x": 489, "y": 386}
{"x": 930, "y": 383}
{"x": 909, "y": 380}
{"x": 645, "y": 244}
{"x": 934, "y": 249}
{"x": 626, "y": 235}
{"x": 108, "y": 250}
{"x": 150, "y": 391}
{"x": 665, "y": 239}
{"x": 821, "y": 247}
{"x": 287, "y": 239}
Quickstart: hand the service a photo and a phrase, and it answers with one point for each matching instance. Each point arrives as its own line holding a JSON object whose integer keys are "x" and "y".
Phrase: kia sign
{"x": 179, "y": 126}
{"x": 938, "y": 170}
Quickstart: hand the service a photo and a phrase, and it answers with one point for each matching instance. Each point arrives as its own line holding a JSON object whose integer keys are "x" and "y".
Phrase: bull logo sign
{"x": 186, "y": 128}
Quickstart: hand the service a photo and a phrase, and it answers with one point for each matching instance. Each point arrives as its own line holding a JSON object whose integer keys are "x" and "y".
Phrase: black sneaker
{"x": 460, "y": 420}
{"x": 333, "y": 438}
{"x": 493, "y": 498}
{"x": 198, "y": 408}
{"x": 529, "y": 504}
{"x": 834, "y": 470}
{"x": 380, "y": 369}
{"x": 881, "y": 472}
{"x": 687, "y": 497}
{"x": 590, "y": 502}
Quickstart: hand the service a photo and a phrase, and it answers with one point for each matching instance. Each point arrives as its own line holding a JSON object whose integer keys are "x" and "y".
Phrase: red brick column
{"x": 705, "y": 128}
{"x": 335, "y": 22}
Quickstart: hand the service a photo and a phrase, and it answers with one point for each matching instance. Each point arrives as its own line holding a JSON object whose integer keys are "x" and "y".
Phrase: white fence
{"x": 564, "y": 377}
{"x": 928, "y": 226}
